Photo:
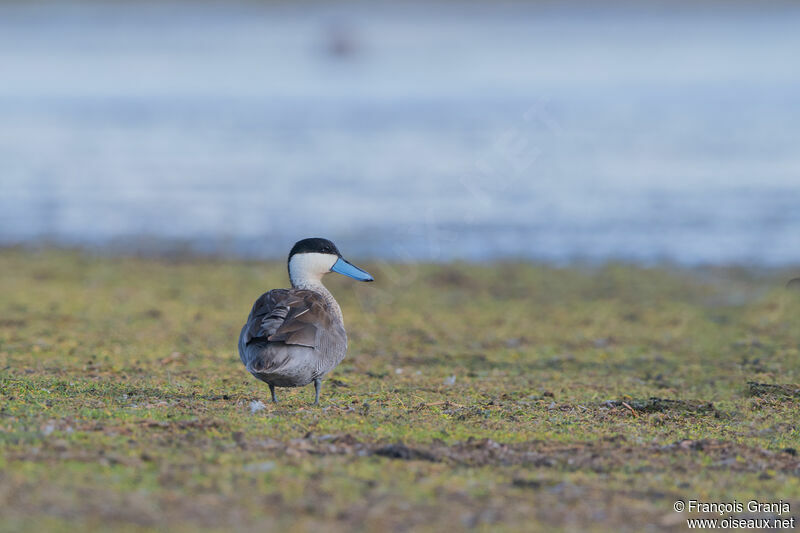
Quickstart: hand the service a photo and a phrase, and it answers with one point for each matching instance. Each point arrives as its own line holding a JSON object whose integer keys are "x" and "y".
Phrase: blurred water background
{"x": 456, "y": 130}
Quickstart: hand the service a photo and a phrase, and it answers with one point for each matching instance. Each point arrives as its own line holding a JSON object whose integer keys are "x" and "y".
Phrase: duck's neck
{"x": 315, "y": 284}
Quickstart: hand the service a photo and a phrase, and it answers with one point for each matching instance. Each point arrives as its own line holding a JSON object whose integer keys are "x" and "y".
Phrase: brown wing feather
{"x": 288, "y": 315}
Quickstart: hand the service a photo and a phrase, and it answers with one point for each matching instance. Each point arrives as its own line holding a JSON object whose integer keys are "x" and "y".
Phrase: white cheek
{"x": 315, "y": 265}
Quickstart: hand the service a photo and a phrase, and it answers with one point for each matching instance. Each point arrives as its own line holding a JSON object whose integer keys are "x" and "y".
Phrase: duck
{"x": 294, "y": 337}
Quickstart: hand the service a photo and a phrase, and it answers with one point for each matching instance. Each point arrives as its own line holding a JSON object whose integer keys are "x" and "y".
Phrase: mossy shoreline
{"x": 506, "y": 397}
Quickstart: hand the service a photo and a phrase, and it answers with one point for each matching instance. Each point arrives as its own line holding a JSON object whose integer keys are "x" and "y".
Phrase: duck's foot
{"x": 317, "y": 386}
{"x": 272, "y": 391}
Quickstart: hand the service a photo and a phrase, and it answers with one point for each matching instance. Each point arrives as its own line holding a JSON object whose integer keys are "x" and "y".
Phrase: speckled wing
{"x": 290, "y": 316}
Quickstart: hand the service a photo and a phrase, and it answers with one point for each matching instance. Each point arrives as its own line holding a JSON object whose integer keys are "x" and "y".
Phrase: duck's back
{"x": 291, "y": 338}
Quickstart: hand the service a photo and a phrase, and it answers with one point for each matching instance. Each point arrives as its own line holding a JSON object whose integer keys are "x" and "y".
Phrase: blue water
{"x": 427, "y": 132}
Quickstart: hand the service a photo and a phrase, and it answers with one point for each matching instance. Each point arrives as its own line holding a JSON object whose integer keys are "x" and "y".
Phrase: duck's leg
{"x": 317, "y": 386}
{"x": 272, "y": 391}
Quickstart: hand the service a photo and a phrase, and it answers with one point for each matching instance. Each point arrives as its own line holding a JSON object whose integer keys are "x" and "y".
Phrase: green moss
{"x": 606, "y": 393}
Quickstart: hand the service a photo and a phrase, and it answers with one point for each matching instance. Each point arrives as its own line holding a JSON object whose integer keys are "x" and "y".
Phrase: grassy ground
{"x": 502, "y": 398}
